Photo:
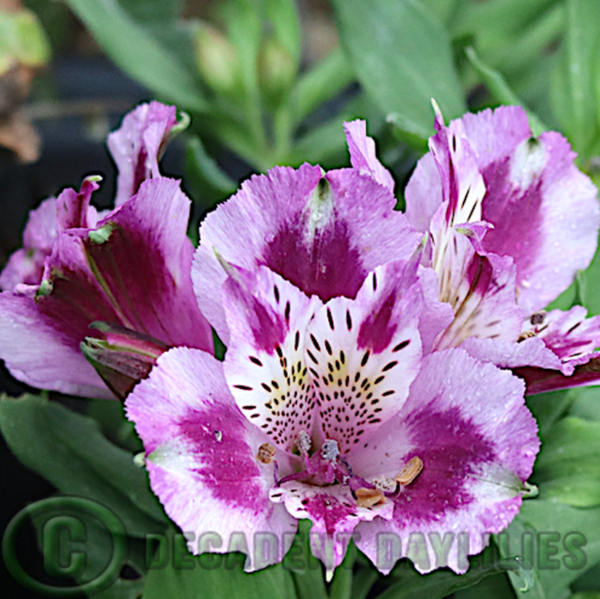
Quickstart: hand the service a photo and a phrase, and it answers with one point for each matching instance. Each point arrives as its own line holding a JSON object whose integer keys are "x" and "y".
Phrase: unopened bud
{"x": 122, "y": 357}
{"x": 276, "y": 70}
{"x": 217, "y": 60}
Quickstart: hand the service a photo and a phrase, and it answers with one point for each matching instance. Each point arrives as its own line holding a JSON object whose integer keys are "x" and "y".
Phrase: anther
{"x": 266, "y": 453}
{"x": 410, "y": 471}
{"x": 369, "y": 497}
{"x": 330, "y": 450}
{"x": 303, "y": 442}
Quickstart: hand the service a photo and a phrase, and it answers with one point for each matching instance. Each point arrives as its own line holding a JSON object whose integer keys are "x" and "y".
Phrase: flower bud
{"x": 276, "y": 70}
{"x": 217, "y": 60}
{"x": 122, "y": 357}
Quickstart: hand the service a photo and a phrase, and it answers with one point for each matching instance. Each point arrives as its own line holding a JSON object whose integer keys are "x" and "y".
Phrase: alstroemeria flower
{"x": 136, "y": 148}
{"x": 328, "y": 411}
{"x": 129, "y": 267}
{"x": 510, "y": 221}
{"x": 321, "y": 231}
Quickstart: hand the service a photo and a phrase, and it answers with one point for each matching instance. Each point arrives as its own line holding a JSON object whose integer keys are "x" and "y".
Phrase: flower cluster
{"x": 369, "y": 380}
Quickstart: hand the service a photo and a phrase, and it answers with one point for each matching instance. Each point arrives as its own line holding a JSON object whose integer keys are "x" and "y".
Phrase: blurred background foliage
{"x": 270, "y": 82}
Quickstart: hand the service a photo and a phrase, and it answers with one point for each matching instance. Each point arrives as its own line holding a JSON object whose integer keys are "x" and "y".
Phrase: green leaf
{"x": 440, "y": 583}
{"x": 136, "y": 50}
{"x": 500, "y": 90}
{"x": 548, "y": 408}
{"x": 543, "y": 527}
{"x": 209, "y": 183}
{"x": 285, "y": 20}
{"x": 70, "y": 451}
{"x": 197, "y": 577}
{"x": 402, "y": 57}
{"x": 574, "y": 98}
{"x": 320, "y": 84}
{"x": 568, "y": 467}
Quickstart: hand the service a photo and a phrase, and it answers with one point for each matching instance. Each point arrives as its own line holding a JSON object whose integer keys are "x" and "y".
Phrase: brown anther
{"x": 369, "y": 497}
{"x": 266, "y": 453}
{"x": 525, "y": 335}
{"x": 410, "y": 471}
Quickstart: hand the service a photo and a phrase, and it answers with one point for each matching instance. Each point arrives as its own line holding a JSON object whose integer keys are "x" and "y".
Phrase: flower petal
{"x": 363, "y": 354}
{"x": 37, "y": 353}
{"x": 265, "y": 365}
{"x": 202, "y": 459}
{"x": 322, "y": 233}
{"x": 544, "y": 211}
{"x": 468, "y": 423}
{"x": 143, "y": 256}
{"x": 136, "y": 146}
{"x": 334, "y": 513}
{"x": 363, "y": 156}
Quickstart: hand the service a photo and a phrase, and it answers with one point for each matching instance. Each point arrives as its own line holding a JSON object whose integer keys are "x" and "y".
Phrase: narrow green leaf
{"x": 285, "y": 20}
{"x": 573, "y": 95}
{"x": 403, "y": 58}
{"x": 320, "y": 84}
{"x": 500, "y": 90}
{"x": 209, "y": 183}
{"x": 70, "y": 451}
{"x": 135, "y": 50}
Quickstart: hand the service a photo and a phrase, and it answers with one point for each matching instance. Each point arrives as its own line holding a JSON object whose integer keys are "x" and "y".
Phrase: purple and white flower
{"x": 329, "y": 404}
{"x": 128, "y": 267}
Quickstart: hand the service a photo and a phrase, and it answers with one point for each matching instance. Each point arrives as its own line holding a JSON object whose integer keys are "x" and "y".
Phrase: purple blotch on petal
{"x": 219, "y": 431}
{"x": 449, "y": 446}
{"x": 327, "y": 267}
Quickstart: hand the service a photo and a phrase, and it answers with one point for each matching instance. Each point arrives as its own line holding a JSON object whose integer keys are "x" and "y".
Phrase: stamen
{"x": 369, "y": 497}
{"x": 330, "y": 450}
{"x": 525, "y": 335}
{"x": 266, "y": 453}
{"x": 303, "y": 443}
{"x": 385, "y": 483}
{"x": 410, "y": 471}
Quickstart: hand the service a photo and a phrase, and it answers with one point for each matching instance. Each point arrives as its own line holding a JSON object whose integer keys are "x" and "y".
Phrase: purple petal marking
{"x": 145, "y": 265}
{"x": 363, "y": 156}
{"x": 334, "y": 514}
{"x": 35, "y": 353}
{"x": 265, "y": 365}
{"x": 474, "y": 459}
{"x": 202, "y": 457}
{"x": 363, "y": 354}
{"x": 544, "y": 211}
{"x": 324, "y": 234}
{"x": 137, "y": 145}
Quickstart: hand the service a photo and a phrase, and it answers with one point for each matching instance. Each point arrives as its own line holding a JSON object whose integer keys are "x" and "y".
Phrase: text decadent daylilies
{"x": 366, "y": 384}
